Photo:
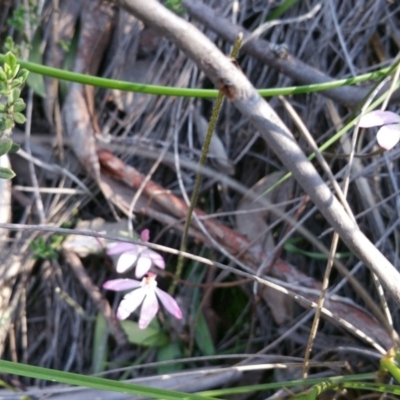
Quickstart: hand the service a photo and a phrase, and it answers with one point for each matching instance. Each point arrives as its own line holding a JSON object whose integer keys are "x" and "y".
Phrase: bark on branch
{"x": 278, "y": 137}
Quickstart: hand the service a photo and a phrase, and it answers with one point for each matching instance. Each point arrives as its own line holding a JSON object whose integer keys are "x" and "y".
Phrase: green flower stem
{"x": 185, "y": 92}
{"x": 199, "y": 177}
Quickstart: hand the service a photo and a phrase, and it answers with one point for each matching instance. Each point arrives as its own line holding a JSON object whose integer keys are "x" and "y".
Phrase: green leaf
{"x": 3, "y": 76}
{"x": 19, "y": 105}
{"x": 8, "y": 71}
{"x": 15, "y": 71}
{"x": 10, "y": 60}
{"x": 14, "y": 148}
{"x": 100, "y": 348}
{"x": 43, "y": 250}
{"x": 170, "y": 352}
{"x": 19, "y": 118}
{"x": 36, "y": 83}
{"x": 150, "y": 336}
{"x": 15, "y": 94}
{"x": 203, "y": 337}
{"x": 6, "y": 173}
{"x": 11, "y": 66}
{"x": 9, "y": 45}
{"x": 5, "y": 145}
{"x": 175, "y": 6}
{"x": 2, "y": 108}
{"x": 23, "y": 75}
{"x": 16, "y": 83}
{"x": 8, "y": 124}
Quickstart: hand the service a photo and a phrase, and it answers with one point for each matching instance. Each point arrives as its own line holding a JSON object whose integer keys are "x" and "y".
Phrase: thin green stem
{"x": 373, "y": 387}
{"x": 203, "y": 158}
{"x": 289, "y": 384}
{"x": 185, "y": 92}
{"x": 316, "y": 390}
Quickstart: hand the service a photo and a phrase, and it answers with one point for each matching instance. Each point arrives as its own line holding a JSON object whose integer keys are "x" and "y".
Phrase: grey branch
{"x": 223, "y": 73}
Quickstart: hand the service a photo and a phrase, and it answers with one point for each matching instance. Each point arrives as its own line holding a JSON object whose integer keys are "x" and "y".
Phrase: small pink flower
{"x": 146, "y": 294}
{"x": 389, "y": 135}
{"x": 133, "y": 254}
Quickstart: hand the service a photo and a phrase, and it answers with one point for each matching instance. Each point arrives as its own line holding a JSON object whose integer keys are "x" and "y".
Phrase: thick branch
{"x": 225, "y": 75}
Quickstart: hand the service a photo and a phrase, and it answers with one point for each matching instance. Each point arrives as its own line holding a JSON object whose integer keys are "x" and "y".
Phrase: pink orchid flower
{"x": 389, "y": 135}
{"x": 147, "y": 294}
{"x": 132, "y": 254}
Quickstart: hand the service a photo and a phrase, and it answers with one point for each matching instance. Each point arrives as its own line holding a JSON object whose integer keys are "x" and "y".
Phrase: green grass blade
{"x": 374, "y": 387}
{"x": 289, "y": 384}
{"x": 100, "y": 346}
{"x": 47, "y": 374}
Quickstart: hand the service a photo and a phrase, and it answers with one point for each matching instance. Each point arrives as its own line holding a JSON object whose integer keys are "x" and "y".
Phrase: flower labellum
{"x": 132, "y": 254}
{"x": 389, "y": 135}
{"x": 147, "y": 293}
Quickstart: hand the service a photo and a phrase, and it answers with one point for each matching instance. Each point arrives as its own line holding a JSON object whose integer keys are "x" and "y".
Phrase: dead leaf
{"x": 5, "y": 201}
{"x": 86, "y": 245}
{"x": 252, "y": 219}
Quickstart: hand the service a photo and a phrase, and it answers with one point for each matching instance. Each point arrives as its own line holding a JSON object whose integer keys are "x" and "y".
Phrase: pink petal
{"x": 169, "y": 303}
{"x": 130, "y": 303}
{"x": 149, "y": 309}
{"x": 379, "y": 117}
{"x": 388, "y": 136}
{"x": 121, "y": 284}
{"x": 145, "y": 235}
{"x": 125, "y": 261}
{"x": 142, "y": 266}
{"x": 120, "y": 247}
{"x": 158, "y": 259}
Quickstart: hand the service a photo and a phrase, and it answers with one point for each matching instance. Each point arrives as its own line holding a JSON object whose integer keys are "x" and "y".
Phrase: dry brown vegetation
{"x": 94, "y": 153}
